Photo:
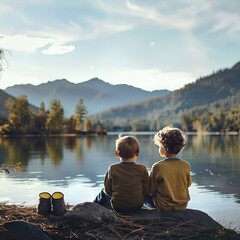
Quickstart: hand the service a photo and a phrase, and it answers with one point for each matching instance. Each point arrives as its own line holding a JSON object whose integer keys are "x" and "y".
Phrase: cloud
{"x": 28, "y": 2}
{"x": 228, "y": 21}
{"x": 72, "y": 31}
{"x": 165, "y": 20}
{"x": 166, "y": 16}
{"x": 197, "y": 51}
{"x": 6, "y": 9}
{"x": 58, "y": 36}
{"x": 8, "y": 14}
{"x": 56, "y": 50}
{"x": 23, "y": 43}
{"x": 107, "y": 26}
{"x": 184, "y": 15}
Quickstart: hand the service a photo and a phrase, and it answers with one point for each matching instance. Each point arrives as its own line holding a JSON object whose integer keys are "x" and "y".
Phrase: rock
{"x": 23, "y": 230}
{"x": 185, "y": 215}
{"x": 91, "y": 212}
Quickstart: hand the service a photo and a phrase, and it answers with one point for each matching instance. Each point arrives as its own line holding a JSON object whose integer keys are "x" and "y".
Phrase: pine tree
{"x": 55, "y": 117}
{"x": 80, "y": 113}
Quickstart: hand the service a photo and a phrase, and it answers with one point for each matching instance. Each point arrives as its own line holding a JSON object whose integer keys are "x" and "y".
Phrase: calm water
{"x": 77, "y": 165}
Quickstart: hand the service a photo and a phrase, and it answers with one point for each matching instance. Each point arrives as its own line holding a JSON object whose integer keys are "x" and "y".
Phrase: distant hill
{"x": 3, "y": 97}
{"x": 96, "y": 94}
{"x": 219, "y": 90}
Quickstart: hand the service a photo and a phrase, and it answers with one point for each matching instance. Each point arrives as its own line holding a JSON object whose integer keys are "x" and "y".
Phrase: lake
{"x": 76, "y": 166}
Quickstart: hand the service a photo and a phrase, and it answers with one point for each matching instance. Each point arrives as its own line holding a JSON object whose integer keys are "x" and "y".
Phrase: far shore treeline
{"x": 22, "y": 118}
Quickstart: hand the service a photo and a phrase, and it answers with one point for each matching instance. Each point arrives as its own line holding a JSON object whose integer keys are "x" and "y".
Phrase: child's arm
{"x": 152, "y": 182}
{"x": 146, "y": 187}
{"x": 108, "y": 183}
{"x": 189, "y": 179}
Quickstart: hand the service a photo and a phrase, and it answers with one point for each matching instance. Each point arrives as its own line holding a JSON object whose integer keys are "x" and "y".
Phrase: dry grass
{"x": 125, "y": 228}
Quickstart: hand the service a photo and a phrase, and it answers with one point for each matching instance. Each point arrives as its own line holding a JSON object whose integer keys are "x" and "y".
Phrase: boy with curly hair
{"x": 170, "y": 178}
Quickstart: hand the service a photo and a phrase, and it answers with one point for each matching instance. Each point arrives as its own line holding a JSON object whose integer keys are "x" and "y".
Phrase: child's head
{"x": 170, "y": 140}
{"x": 127, "y": 147}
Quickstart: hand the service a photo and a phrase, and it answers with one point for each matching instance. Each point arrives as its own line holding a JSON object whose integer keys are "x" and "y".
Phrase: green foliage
{"x": 22, "y": 120}
{"x": 55, "y": 118}
{"x": 3, "y": 119}
{"x": 80, "y": 113}
{"x": 41, "y": 118}
{"x": 88, "y": 125}
{"x": 19, "y": 114}
{"x": 70, "y": 125}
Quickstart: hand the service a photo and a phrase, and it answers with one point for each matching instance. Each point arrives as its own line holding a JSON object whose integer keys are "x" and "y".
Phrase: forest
{"x": 21, "y": 119}
{"x": 199, "y": 120}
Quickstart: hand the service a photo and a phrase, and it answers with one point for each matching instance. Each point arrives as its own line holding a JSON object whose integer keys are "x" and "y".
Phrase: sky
{"x": 150, "y": 44}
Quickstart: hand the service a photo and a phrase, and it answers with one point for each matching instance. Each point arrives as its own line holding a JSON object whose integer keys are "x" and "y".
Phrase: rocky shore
{"x": 92, "y": 221}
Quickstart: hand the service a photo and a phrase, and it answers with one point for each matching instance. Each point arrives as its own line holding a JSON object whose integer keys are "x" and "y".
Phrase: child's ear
{"x": 137, "y": 153}
{"x": 117, "y": 153}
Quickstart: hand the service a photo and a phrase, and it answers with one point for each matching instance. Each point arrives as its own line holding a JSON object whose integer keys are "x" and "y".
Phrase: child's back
{"x": 170, "y": 178}
{"x": 126, "y": 183}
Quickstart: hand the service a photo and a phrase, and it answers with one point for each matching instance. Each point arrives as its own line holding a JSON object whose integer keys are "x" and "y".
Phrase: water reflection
{"x": 58, "y": 160}
{"x": 215, "y": 163}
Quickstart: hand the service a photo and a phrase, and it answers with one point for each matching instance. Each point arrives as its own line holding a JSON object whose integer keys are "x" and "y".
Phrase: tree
{"x": 19, "y": 114}
{"x": 80, "y": 113}
{"x": 88, "y": 125}
{"x": 232, "y": 121}
{"x": 55, "y": 117}
{"x": 186, "y": 121}
{"x": 41, "y": 118}
{"x": 70, "y": 125}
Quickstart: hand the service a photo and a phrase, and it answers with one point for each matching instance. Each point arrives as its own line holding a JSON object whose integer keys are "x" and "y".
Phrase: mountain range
{"x": 218, "y": 90}
{"x": 97, "y": 95}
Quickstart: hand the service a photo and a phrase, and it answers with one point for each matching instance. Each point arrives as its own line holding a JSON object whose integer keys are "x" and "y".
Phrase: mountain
{"x": 96, "y": 94}
{"x": 221, "y": 89}
{"x": 3, "y": 97}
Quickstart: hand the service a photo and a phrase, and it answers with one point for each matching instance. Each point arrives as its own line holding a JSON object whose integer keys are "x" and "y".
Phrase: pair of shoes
{"x": 51, "y": 203}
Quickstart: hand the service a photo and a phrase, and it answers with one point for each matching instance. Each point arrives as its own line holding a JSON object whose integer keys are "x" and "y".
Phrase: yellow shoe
{"x": 44, "y": 205}
{"x": 58, "y": 203}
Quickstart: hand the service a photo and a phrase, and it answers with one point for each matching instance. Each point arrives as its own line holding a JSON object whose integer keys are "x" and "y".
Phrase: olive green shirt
{"x": 169, "y": 182}
{"x": 127, "y": 184}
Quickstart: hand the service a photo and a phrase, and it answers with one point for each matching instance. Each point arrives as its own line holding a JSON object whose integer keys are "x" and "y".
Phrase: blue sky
{"x": 148, "y": 44}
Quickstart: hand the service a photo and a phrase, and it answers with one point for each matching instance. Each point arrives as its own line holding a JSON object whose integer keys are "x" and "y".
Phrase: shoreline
{"x": 94, "y": 226}
{"x": 202, "y": 133}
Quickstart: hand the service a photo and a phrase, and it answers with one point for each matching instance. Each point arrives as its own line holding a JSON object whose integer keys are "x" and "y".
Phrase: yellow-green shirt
{"x": 169, "y": 182}
{"x": 127, "y": 184}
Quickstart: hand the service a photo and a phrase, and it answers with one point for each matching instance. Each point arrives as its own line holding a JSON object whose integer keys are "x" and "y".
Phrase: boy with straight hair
{"x": 126, "y": 183}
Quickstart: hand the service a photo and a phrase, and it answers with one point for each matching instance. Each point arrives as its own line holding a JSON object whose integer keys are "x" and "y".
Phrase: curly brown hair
{"x": 171, "y": 139}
